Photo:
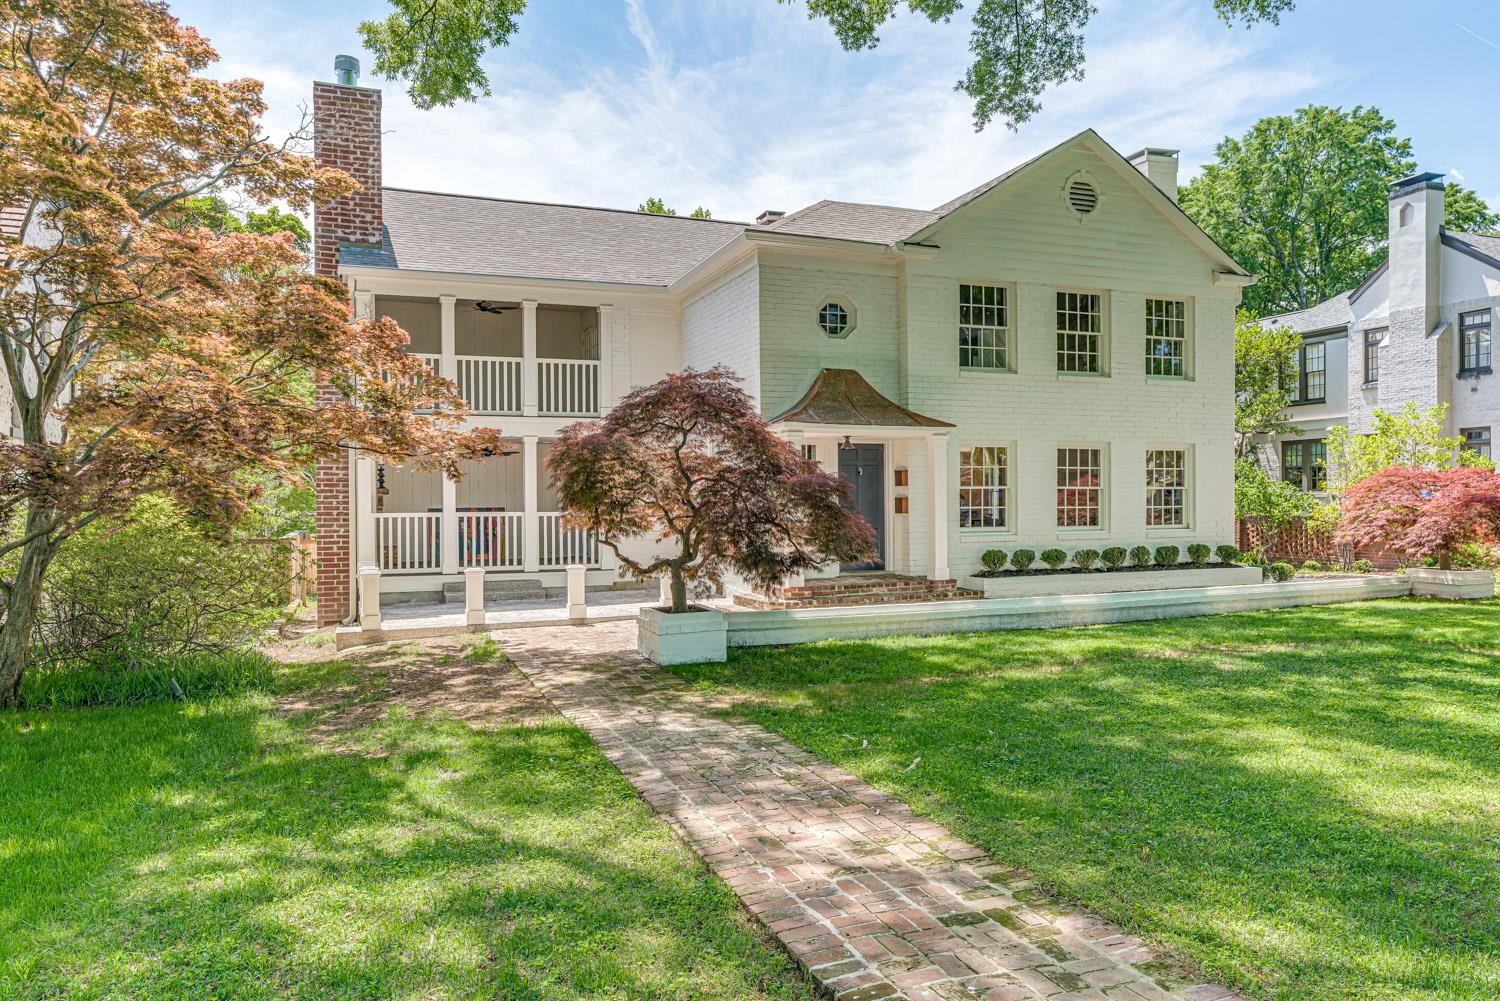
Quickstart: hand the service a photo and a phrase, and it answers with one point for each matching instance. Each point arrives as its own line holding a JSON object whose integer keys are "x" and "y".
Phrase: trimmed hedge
{"x": 1086, "y": 559}
{"x": 1054, "y": 558}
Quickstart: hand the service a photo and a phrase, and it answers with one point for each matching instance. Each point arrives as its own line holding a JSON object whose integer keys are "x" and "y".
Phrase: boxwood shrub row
{"x": 1112, "y": 558}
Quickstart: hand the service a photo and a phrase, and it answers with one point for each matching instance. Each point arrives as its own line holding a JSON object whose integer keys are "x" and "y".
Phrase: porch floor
{"x": 602, "y": 607}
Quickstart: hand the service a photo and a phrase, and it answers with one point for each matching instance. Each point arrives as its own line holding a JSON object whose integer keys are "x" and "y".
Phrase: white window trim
{"x": 1105, "y": 338}
{"x": 1106, "y": 492}
{"x": 1012, "y": 334}
{"x": 844, "y": 301}
{"x": 1012, "y": 469}
{"x": 1190, "y": 326}
{"x": 1190, "y": 477}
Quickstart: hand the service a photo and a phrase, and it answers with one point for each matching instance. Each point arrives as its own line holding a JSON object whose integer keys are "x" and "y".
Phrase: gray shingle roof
{"x": 1476, "y": 244}
{"x": 11, "y": 219}
{"x": 883, "y": 224}
{"x": 1326, "y": 315}
{"x": 427, "y": 231}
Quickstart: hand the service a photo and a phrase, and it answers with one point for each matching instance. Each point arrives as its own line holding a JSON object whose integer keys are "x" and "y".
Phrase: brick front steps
{"x": 861, "y": 589}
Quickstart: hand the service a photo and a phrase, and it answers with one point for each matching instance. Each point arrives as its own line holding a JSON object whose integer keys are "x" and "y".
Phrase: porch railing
{"x": 567, "y": 388}
{"x": 491, "y": 539}
{"x": 560, "y": 547}
{"x": 491, "y": 385}
{"x": 409, "y": 543}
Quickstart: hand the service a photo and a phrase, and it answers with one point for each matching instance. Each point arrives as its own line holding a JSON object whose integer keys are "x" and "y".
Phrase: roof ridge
{"x": 559, "y": 205}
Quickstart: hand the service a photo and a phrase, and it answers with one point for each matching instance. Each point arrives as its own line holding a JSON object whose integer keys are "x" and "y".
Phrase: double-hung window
{"x": 1080, "y": 487}
{"x": 1166, "y": 488}
{"x": 983, "y": 487}
{"x": 1372, "y": 355}
{"x": 1080, "y": 332}
{"x": 1312, "y": 373}
{"x": 1166, "y": 337}
{"x": 1474, "y": 341}
{"x": 1477, "y": 440}
{"x": 1304, "y": 464}
{"x": 984, "y": 327}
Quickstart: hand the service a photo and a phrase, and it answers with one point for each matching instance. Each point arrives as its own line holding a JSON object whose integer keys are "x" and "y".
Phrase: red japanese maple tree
{"x": 1422, "y": 512}
{"x": 143, "y": 354}
{"x": 690, "y": 460}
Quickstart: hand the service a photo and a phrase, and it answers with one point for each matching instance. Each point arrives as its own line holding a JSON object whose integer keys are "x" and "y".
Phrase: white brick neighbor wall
{"x": 722, "y": 326}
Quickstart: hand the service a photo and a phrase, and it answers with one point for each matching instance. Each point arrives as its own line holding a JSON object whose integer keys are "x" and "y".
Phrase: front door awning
{"x": 841, "y": 398}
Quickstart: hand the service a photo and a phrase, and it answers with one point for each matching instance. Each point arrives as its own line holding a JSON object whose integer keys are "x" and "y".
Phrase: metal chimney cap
{"x": 346, "y": 70}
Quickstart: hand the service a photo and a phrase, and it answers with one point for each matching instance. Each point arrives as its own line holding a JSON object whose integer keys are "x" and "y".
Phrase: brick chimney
{"x": 346, "y": 135}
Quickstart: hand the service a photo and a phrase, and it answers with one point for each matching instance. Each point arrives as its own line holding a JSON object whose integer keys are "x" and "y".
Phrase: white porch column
{"x": 448, "y": 362}
{"x": 448, "y": 532}
{"x": 827, "y": 455}
{"x": 529, "y": 383}
{"x": 606, "y": 358}
{"x": 474, "y": 596}
{"x": 937, "y": 506}
{"x": 364, "y": 512}
{"x": 369, "y": 596}
{"x": 578, "y": 608}
{"x": 531, "y": 525}
{"x": 796, "y": 440}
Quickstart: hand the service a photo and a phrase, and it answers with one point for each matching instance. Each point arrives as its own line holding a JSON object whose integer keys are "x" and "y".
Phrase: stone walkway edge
{"x": 871, "y": 900}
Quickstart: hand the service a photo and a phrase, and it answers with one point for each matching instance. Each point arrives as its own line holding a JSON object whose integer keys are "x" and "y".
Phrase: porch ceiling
{"x": 840, "y": 397}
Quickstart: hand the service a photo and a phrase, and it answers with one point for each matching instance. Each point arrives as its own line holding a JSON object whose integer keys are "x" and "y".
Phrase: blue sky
{"x": 742, "y": 105}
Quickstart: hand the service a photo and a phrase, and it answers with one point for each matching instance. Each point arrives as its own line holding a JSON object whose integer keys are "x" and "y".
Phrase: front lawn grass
{"x": 334, "y": 842}
{"x": 1306, "y": 803}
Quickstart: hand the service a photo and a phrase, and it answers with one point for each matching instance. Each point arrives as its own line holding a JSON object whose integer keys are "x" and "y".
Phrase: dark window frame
{"x": 1479, "y": 439}
{"x": 1311, "y": 465}
{"x": 1300, "y": 398}
{"x": 1481, "y": 332}
{"x": 1372, "y": 354}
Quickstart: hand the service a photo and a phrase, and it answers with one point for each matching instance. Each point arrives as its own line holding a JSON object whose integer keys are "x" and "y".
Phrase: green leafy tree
{"x": 1300, "y": 200}
{"x": 1411, "y": 436}
{"x": 1265, "y": 365}
{"x": 1466, "y": 212}
{"x": 1020, "y": 47}
{"x": 656, "y": 206}
{"x": 213, "y": 213}
{"x": 1274, "y": 503}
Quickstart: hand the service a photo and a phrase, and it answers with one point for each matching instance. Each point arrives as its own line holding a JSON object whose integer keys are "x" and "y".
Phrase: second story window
{"x": 1474, "y": 341}
{"x": 834, "y": 319}
{"x": 1372, "y": 355}
{"x": 983, "y": 327}
{"x": 1312, "y": 373}
{"x": 1080, "y": 332}
{"x": 1166, "y": 337}
{"x": 1304, "y": 464}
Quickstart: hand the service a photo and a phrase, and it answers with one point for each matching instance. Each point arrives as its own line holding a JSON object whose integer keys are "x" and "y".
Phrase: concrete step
{"x": 502, "y": 589}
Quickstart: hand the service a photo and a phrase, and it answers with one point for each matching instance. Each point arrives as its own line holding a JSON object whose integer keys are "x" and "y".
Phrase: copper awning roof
{"x": 842, "y": 397}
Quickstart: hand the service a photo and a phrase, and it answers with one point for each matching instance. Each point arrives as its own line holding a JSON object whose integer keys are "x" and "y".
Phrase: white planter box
{"x": 694, "y": 637}
{"x": 1458, "y": 585}
{"x": 1045, "y": 585}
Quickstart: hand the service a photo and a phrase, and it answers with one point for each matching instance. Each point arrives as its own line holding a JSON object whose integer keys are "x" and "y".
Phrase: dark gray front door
{"x": 864, "y": 467}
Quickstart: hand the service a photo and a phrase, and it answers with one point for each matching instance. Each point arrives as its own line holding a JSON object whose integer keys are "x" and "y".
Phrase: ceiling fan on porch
{"x": 485, "y": 306}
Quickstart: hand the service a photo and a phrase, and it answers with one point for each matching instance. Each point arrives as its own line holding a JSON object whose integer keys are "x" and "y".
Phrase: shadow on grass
{"x": 1304, "y": 801}
{"x": 217, "y": 850}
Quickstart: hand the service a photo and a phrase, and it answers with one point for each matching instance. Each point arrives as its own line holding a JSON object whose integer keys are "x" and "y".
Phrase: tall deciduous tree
{"x": 1265, "y": 367}
{"x": 1020, "y": 47}
{"x": 1411, "y": 436}
{"x": 1465, "y": 211}
{"x": 655, "y": 206}
{"x": 690, "y": 462}
{"x": 1423, "y": 512}
{"x": 151, "y": 357}
{"x": 1300, "y": 200}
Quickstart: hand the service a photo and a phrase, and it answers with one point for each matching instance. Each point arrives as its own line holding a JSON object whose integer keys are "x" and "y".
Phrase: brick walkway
{"x": 874, "y": 901}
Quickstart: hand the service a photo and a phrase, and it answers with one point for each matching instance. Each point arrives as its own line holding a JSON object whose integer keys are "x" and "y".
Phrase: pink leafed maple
{"x": 1423, "y": 512}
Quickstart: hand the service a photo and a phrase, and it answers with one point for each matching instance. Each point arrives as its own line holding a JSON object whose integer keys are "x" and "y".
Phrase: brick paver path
{"x": 874, "y": 901}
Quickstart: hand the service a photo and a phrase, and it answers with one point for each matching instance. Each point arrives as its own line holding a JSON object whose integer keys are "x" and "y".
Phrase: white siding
{"x": 721, "y": 326}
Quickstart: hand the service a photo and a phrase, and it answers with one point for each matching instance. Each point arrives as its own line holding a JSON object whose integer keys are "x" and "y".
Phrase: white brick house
{"x": 1010, "y": 369}
{"x": 1417, "y": 330}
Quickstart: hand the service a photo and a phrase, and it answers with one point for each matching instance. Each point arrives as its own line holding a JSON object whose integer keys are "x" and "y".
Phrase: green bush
{"x": 1054, "y": 558}
{"x": 1198, "y": 554}
{"x": 1166, "y": 556}
{"x": 1312, "y": 566}
{"x": 1362, "y": 566}
{"x": 1476, "y": 556}
{"x": 1113, "y": 557}
{"x": 1253, "y": 559}
{"x": 1227, "y": 554}
{"x": 994, "y": 559}
{"x": 1022, "y": 558}
{"x": 199, "y": 675}
{"x": 1086, "y": 558}
{"x": 1140, "y": 556}
{"x": 1281, "y": 571}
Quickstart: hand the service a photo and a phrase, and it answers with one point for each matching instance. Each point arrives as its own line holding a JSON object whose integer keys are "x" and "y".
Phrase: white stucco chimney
{"x": 1416, "y": 223}
{"x": 1160, "y": 166}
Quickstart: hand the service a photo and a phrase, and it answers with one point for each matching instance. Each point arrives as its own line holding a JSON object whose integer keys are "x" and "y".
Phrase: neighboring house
{"x": 12, "y": 221}
{"x": 1046, "y": 360}
{"x": 1417, "y": 330}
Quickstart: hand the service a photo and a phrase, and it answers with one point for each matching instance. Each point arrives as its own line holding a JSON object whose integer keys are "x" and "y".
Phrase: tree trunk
{"x": 1445, "y": 559}
{"x": 679, "y": 589}
{"x": 21, "y": 610}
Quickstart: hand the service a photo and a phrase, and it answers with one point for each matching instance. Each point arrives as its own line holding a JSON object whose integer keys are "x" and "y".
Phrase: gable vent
{"x": 1083, "y": 197}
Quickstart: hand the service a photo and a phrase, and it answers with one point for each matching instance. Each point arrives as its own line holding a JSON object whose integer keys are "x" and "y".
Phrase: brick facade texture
{"x": 1298, "y": 544}
{"x": 346, "y": 135}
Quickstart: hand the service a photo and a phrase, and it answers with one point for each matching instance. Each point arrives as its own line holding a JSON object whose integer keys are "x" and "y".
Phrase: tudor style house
{"x": 1417, "y": 330}
{"x": 1046, "y": 360}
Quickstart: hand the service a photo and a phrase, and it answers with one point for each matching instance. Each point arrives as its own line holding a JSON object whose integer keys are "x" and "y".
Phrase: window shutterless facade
{"x": 1312, "y": 373}
{"x": 1080, "y": 488}
{"x": 1372, "y": 355}
{"x": 984, "y": 327}
{"x": 1166, "y": 337}
{"x": 983, "y": 487}
{"x": 1304, "y": 464}
{"x": 1477, "y": 440}
{"x": 1080, "y": 332}
{"x": 1474, "y": 341}
{"x": 1166, "y": 488}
